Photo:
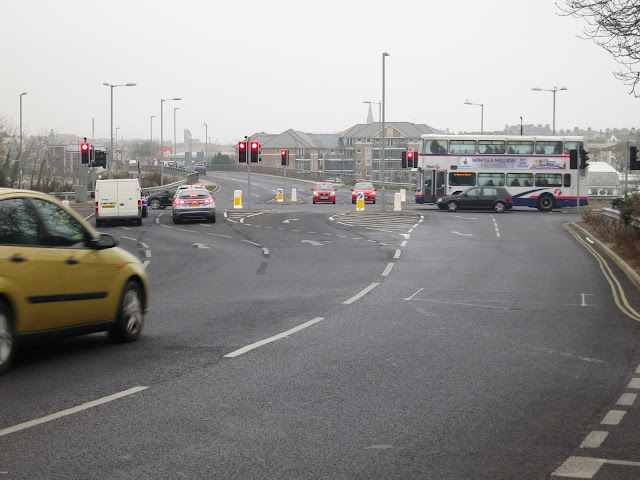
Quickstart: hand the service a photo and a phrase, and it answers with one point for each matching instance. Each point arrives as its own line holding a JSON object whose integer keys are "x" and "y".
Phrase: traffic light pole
{"x": 248, "y": 171}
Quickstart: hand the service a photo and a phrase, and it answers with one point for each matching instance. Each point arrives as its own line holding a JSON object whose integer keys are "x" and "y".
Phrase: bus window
{"x": 491, "y": 146}
{"x": 462, "y": 146}
{"x": 571, "y": 146}
{"x": 436, "y": 147}
{"x": 462, "y": 179}
{"x": 548, "y": 179}
{"x": 549, "y": 148}
{"x": 567, "y": 180}
{"x": 491, "y": 179}
{"x": 519, "y": 179}
{"x": 520, "y": 147}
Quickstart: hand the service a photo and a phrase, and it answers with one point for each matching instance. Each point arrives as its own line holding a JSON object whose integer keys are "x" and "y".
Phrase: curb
{"x": 631, "y": 273}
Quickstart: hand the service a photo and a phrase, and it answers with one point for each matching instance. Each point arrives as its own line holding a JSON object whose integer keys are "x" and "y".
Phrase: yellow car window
{"x": 63, "y": 230}
{"x": 18, "y": 223}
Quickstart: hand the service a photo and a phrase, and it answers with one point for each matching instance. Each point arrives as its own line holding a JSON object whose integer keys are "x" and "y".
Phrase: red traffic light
{"x": 255, "y": 145}
{"x": 409, "y": 155}
{"x": 283, "y": 152}
{"x": 84, "y": 147}
{"x": 242, "y": 145}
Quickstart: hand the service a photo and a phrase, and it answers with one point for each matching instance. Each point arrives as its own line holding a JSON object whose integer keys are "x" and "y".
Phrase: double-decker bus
{"x": 535, "y": 170}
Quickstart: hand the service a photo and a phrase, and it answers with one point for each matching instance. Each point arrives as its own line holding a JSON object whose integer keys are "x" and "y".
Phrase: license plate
{"x": 323, "y": 197}
{"x": 108, "y": 206}
{"x": 195, "y": 204}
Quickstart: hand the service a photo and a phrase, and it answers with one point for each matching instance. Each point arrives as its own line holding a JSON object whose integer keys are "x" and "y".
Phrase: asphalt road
{"x": 304, "y": 341}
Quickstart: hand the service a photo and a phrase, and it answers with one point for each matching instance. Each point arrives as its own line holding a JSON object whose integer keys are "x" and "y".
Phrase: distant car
{"x": 334, "y": 180}
{"x": 493, "y": 198}
{"x": 324, "y": 192}
{"x": 162, "y": 199}
{"x": 188, "y": 187}
{"x": 194, "y": 204}
{"x": 200, "y": 169}
{"x": 61, "y": 278}
{"x": 368, "y": 190}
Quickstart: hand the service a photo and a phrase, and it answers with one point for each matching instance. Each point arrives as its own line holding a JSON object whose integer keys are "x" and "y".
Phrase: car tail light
{"x": 139, "y": 205}
{"x": 209, "y": 200}
{"x": 96, "y": 206}
{"x": 509, "y": 198}
{"x": 178, "y": 201}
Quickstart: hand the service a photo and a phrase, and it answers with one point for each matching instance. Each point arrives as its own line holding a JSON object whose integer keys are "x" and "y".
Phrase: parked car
{"x": 494, "y": 198}
{"x": 367, "y": 189}
{"x": 162, "y": 199}
{"x": 200, "y": 169}
{"x": 334, "y": 180}
{"x": 194, "y": 204}
{"x": 61, "y": 278}
{"x": 324, "y": 192}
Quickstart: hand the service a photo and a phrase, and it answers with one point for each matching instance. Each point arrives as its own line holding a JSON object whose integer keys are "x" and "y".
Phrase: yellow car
{"x": 60, "y": 278}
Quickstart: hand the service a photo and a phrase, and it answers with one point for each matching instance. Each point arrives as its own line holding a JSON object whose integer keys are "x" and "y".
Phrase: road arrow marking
{"x": 291, "y": 220}
{"x": 463, "y": 234}
{"x": 200, "y": 245}
{"x": 313, "y": 242}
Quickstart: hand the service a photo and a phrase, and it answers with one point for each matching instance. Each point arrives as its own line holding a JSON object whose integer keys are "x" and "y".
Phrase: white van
{"x": 118, "y": 199}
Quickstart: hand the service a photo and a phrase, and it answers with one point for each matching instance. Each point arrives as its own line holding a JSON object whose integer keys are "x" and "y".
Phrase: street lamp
{"x": 175, "y": 138}
{"x": 384, "y": 55}
{"x": 20, "y": 152}
{"x": 206, "y": 142}
{"x": 554, "y": 90}
{"x": 481, "y": 105}
{"x": 107, "y": 84}
{"x": 151, "y": 142}
{"x": 162, "y": 100}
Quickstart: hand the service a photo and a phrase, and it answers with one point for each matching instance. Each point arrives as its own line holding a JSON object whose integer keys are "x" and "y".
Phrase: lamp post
{"x": 554, "y": 90}
{"x": 206, "y": 142}
{"x": 481, "y": 105}
{"x": 384, "y": 56}
{"x": 107, "y": 84}
{"x": 175, "y": 138}
{"x": 520, "y": 126}
{"x": 162, "y": 137}
{"x": 151, "y": 142}
{"x": 20, "y": 152}
{"x": 117, "y": 128}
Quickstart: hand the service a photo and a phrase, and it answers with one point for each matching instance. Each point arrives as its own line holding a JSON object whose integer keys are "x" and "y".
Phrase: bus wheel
{"x": 546, "y": 203}
{"x": 452, "y": 206}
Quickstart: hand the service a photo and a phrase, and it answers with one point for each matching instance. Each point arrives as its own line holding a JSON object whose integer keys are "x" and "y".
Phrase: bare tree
{"x": 615, "y": 26}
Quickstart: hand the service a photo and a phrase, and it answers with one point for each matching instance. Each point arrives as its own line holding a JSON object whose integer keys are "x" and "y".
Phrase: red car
{"x": 367, "y": 189}
{"x": 324, "y": 192}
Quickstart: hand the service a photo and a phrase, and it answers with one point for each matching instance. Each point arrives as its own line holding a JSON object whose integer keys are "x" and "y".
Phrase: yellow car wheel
{"x": 7, "y": 345}
{"x": 130, "y": 316}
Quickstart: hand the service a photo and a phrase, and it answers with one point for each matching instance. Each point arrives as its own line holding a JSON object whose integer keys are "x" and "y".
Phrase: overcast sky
{"x": 267, "y": 66}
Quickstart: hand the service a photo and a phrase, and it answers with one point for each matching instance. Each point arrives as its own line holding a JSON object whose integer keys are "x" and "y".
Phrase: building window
{"x": 368, "y": 151}
{"x": 358, "y": 150}
{"x": 359, "y": 140}
{"x": 359, "y": 161}
{"x": 368, "y": 173}
{"x": 389, "y": 142}
{"x": 367, "y": 162}
{"x": 368, "y": 140}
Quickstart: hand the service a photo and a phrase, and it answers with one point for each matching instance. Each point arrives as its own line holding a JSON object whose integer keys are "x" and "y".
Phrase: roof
{"x": 601, "y": 174}
{"x": 408, "y": 129}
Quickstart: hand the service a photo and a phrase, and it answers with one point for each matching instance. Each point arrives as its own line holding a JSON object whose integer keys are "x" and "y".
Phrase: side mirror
{"x": 105, "y": 240}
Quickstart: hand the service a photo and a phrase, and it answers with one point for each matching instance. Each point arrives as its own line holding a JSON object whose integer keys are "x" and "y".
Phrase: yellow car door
{"x": 29, "y": 270}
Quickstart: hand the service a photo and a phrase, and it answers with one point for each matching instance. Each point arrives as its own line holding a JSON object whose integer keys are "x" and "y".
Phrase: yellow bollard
{"x": 280, "y": 195}
{"x": 360, "y": 202}
{"x": 237, "y": 199}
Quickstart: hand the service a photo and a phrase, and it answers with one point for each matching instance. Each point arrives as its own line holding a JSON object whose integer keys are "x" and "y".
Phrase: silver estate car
{"x": 194, "y": 204}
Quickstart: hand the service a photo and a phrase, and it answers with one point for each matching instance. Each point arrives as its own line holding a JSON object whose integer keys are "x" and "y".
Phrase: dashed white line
{"x": 594, "y": 439}
{"x": 361, "y": 294}
{"x": 70, "y": 411}
{"x": 272, "y": 339}
{"x": 147, "y": 253}
{"x": 613, "y": 417}
{"x": 634, "y": 383}
{"x": 627, "y": 399}
{"x": 146, "y": 264}
{"x": 403, "y": 244}
{"x": 397, "y": 254}
{"x": 252, "y": 243}
{"x": 387, "y": 270}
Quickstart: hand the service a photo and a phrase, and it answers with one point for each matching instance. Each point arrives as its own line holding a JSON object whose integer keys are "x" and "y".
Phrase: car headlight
{"x": 315, "y": 194}
{"x": 333, "y": 194}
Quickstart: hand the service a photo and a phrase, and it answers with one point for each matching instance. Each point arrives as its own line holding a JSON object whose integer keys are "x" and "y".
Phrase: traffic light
{"x": 255, "y": 150}
{"x": 99, "y": 159}
{"x": 411, "y": 159}
{"x": 84, "y": 152}
{"x": 634, "y": 164}
{"x": 584, "y": 158}
{"x": 404, "y": 159}
{"x": 284, "y": 157}
{"x": 242, "y": 152}
{"x": 573, "y": 159}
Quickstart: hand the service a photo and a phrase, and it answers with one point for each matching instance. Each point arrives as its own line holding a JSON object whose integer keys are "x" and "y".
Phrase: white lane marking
{"x": 71, "y": 411}
{"x": 265, "y": 251}
{"x": 397, "y": 254}
{"x": 188, "y": 231}
{"x": 146, "y": 264}
{"x": 404, "y": 243}
{"x": 313, "y": 242}
{"x": 419, "y": 290}
{"x": 638, "y": 369}
{"x": 613, "y": 417}
{"x": 144, "y": 245}
{"x": 272, "y": 339}
{"x": 129, "y": 238}
{"x": 252, "y": 243}
{"x": 218, "y": 235}
{"x": 463, "y": 234}
{"x": 627, "y": 399}
{"x": 590, "y": 241}
{"x": 147, "y": 253}
{"x": 361, "y": 294}
{"x": 387, "y": 270}
{"x": 634, "y": 383}
{"x": 585, "y": 467}
{"x": 594, "y": 439}
{"x": 406, "y": 236}
{"x": 200, "y": 245}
